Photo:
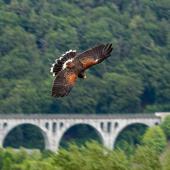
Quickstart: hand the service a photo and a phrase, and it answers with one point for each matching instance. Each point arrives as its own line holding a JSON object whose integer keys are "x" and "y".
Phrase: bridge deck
{"x": 76, "y": 116}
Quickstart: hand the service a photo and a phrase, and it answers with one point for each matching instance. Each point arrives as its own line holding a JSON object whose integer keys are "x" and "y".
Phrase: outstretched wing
{"x": 63, "y": 83}
{"x": 95, "y": 55}
{"x": 59, "y": 63}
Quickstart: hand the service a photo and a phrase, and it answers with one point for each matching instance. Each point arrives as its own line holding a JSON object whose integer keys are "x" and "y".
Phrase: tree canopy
{"x": 134, "y": 79}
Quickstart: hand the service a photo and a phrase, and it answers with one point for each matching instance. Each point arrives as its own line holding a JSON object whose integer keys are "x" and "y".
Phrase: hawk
{"x": 72, "y": 65}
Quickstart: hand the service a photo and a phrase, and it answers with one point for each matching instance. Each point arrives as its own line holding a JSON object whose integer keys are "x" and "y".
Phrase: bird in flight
{"x": 72, "y": 65}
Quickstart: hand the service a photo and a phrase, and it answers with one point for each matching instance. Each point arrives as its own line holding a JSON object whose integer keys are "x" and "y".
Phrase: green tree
{"x": 165, "y": 159}
{"x": 89, "y": 157}
{"x": 165, "y": 125}
{"x": 34, "y": 33}
{"x": 155, "y": 139}
{"x": 122, "y": 94}
{"x": 145, "y": 158}
{"x": 130, "y": 138}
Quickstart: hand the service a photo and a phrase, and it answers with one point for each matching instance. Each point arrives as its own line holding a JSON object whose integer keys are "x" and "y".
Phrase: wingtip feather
{"x": 108, "y": 48}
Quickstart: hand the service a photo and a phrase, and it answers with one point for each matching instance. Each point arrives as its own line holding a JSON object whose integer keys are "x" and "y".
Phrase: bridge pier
{"x": 108, "y": 141}
{"x": 53, "y": 143}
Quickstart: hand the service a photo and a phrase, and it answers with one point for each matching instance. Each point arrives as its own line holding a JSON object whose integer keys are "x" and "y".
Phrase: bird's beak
{"x": 85, "y": 76}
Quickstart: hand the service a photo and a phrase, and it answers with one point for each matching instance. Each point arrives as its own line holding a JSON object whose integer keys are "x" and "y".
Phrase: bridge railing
{"x": 78, "y": 116}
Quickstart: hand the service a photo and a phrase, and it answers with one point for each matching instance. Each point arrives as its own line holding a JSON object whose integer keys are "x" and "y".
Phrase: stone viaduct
{"x": 53, "y": 127}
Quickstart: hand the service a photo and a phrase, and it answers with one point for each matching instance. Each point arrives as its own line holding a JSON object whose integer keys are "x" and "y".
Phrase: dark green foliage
{"x": 134, "y": 79}
{"x": 165, "y": 125}
{"x": 27, "y": 136}
{"x": 80, "y": 134}
{"x": 130, "y": 138}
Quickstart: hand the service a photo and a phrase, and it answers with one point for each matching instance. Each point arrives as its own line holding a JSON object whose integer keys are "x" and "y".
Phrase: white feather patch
{"x": 51, "y": 70}
{"x": 67, "y": 52}
{"x": 65, "y": 64}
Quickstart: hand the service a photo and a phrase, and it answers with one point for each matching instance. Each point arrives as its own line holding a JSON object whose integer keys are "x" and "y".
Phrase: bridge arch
{"x": 121, "y": 129}
{"x": 41, "y": 130}
{"x": 96, "y": 130}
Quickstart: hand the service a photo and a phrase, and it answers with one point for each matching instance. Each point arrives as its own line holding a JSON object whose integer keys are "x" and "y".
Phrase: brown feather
{"x": 87, "y": 62}
{"x": 63, "y": 83}
{"x": 71, "y": 78}
{"x": 95, "y": 55}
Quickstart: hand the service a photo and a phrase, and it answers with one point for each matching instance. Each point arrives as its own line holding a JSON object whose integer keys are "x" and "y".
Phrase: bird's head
{"x": 82, "y": 75}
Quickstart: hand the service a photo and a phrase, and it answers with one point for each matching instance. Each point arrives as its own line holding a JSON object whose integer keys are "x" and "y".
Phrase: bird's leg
{"x": 82, "y": 75}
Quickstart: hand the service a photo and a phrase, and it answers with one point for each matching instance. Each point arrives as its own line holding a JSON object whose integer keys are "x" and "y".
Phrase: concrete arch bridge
{"x": 53, "y": 127}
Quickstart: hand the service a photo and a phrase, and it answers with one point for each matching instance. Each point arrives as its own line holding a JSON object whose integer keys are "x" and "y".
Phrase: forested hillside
{"x": 136, "y": 78}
